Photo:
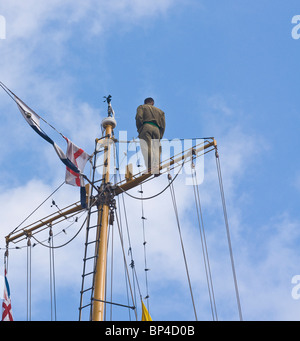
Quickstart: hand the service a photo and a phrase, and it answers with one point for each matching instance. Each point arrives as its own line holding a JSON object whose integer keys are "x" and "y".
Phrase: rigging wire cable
{"x": 181, "y": 242}
{"x": 159, "y": 193}
{"x": 14, "y": 96}
{"x": 130, "y": 253}
{"x": 204, "y": 245}
{"x": 124, "y": 257}
{"x": 28, "y": 279}
{"x": 146, "y": 269}
{"x": 38, "y": 207}
{"x": 52, "y": 276}
{"x": 228, "y": 233}
{"x": 145, "y": 251}
{"x": 64, "y": 244}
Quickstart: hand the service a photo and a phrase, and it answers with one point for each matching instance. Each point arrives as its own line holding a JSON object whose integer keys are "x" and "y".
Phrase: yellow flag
{"x": 145, "y": 314}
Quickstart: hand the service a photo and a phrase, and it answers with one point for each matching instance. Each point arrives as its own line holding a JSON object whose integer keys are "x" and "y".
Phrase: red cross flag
{"x": 79, "y": 158}
{"x": 6, "y": 304}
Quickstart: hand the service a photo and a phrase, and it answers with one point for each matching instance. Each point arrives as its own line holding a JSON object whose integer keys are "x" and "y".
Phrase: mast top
{"x": 110, "y": 119}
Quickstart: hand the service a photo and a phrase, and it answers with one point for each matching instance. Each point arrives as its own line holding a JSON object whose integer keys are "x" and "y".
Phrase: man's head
{"x": 149, "y": 100}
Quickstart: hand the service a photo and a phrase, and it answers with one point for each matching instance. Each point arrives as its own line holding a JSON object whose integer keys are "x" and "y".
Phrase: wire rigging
{"x": 52, "y": 276}
{"x": 204, "y": 244}
{"x": 39, "y": 206}
{"x": 228, "y": 233}
{"x": 124, "y": 258}
{"x": 130, "y": 254}
{"x": 181, "y": 242}
{"x": 130, "y": 251}
{"x": 146, "y": 269}
{"x": 111, "y": 232}
{"x": 145, "y": 250}
{"x": 14, "y": 96}
{"x": 28, "y": 279}
{"x": 157, "y": 194}
{"x": 64, "y": 230}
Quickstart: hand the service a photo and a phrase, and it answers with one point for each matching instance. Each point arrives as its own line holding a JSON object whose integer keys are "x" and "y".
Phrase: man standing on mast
{"x": 150, "y": 123}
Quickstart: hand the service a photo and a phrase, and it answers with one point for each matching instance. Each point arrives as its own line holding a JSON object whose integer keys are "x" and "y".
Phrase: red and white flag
{"x": 79, "y": 158}
{"x": 6, "y": 304}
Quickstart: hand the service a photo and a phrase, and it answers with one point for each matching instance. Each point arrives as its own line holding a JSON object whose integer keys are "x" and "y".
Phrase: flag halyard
{"x": 145, "y": 314}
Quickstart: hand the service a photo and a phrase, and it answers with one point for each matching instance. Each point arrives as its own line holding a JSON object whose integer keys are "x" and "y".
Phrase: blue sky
{"x": 227, "y": 69}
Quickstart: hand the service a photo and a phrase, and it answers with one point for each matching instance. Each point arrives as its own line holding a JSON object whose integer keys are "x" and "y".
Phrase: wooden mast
{"x": 98, "y": 303}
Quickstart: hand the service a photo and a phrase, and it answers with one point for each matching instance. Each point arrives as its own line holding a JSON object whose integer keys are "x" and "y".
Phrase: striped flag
{"x": 6, "y": 304}
{"x": 33, "y": 119}
{"x": 75, "y": 159}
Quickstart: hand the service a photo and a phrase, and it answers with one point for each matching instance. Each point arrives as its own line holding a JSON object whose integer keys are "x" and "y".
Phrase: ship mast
{"x": 98, "y": 304}
{"x": 104, "y": 201}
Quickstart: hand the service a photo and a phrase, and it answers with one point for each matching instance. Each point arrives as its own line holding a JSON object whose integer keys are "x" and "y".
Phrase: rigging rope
{"x": 130, "y": 253}
{"x": 155, "y": 195}
{"x": 132, "y": 264}
{"x": 28, "y": 279}
{"x": 204, "y": 245}
{"x": 14, "y": 96}
{"x": 66, "y": 243}
{"x": 127, "y": 279}
{"x": 52, "y": 276}
{"x": 228, "y": 233}
{"x": 112, "y": 265}
{"x": 37, "y": 208}
{"x": 181, "y": 241}
{"x": 125, "y": 263}
{"x": 145, "y": 252}
{"x": 146, "y": 269}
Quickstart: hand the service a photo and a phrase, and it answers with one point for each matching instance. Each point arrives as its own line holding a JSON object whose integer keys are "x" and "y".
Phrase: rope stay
{"x": 39, "y": 206}
{"x": 130, "y": 254}
{"x": 228, "y": 233}
{"x": 28, "y": 279}
{"x": 135, "y": 279}
{"x": 126, "y": 267}
{"x": 204, "y": 244}
{"x": 52, "y": 276}
{"x": 14, "y": 97}
{"x": 146, "y": 269}
{"x": 159, "y": 193}
{"x": 143, "y": 218}
{"x": 181, "y": 242}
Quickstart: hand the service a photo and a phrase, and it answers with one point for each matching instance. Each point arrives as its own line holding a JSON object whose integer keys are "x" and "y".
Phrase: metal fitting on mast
{"x": 110, "y": 119}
